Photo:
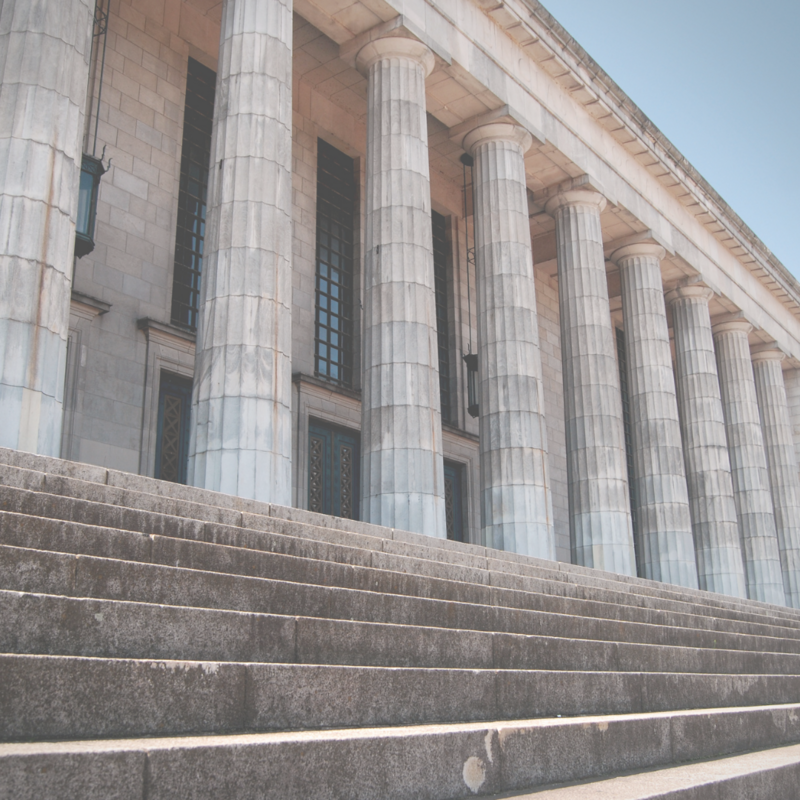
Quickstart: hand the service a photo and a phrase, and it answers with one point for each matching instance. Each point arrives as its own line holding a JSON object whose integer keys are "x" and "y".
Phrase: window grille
{"x": 333, "y": 458}
{"x": 192, "y": 197}
{"x": 336, "y": 193}
{"x": 174, "y": 407}
{"x": 441, "y": 259}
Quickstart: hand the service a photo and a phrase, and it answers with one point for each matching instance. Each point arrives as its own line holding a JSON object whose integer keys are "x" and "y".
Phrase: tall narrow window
{"x": 172, "y": 448}
{"x": 333, "y": 479}
{"x": 336, "y": 193}
{"x": 191, "y": 229}
{"x": 455, "y": 501}
{"x": 441, "y": 258}
{"x": 622, "y": 361}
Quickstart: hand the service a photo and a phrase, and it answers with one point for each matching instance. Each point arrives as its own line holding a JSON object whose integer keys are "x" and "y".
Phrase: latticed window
{"x": 441, "y": 259}
{"x": 336, "y": 193}
{"x": 333, "y": 471}
{"x": 174, "y": 407}
{"x": 191, "y": 229}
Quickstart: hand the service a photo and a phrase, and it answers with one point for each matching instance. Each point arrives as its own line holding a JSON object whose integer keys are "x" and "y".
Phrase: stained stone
{"x": 44, "y": 72}
{"x": 241, "y": 439}
{"x": 720, "y": 566}
{"x": 600, "y": 518}
{"x": 402, "y": 471}
{"x": 748, "y": 462}
{"x": 781, "y": 464}
{"x": 517, "y": 509}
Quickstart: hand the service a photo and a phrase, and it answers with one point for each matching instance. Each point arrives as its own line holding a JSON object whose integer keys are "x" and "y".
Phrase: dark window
{"x": 191, "y": 229}
{"x": 441, "y": 259}
{"x": 174, "y": 406}
{"x": 336, "y": 193}
{"x": 622, "y": 360}
{"x": 455, "y": 501}
{"x": 333, "y": 480}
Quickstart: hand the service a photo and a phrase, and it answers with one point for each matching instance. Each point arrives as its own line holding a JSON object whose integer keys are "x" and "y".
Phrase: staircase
{"x": 161, "y": 641}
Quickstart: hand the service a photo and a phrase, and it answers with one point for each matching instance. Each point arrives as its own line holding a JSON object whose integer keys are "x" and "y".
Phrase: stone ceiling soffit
{"x": 322, "y": 20}
{"x": 399, "y": 26}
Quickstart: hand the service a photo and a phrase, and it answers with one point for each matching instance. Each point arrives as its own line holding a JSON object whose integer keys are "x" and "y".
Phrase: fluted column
{"x": 661, "y": 499}
{"x": 720, "y": 567}
{"x": 241, "y": 432}
{"x": 44, "y": 72}
{"x": 781, "y": 464}
{"x": 402, "y": 472}
{"x": 748, "y": 462}
{"x": 600, "y": 519}
{"x": 516, "y": 505}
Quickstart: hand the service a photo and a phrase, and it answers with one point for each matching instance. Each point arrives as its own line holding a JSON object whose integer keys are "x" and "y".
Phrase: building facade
{"x": 310, "y": 214}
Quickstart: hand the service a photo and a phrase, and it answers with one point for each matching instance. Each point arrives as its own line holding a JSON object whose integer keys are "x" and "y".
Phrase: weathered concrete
{"x": 241, "y": 440}
{"x": 781, "y": 463}
{"x": 720, "y": 566}
{"x": 516, "y": 505}
{"x": 748, "y": 462}
{"x": 43, "y": 78}
{"x": 402, "y": 472}
{"x": 600, "y": 519}
{"x": 660, "y": 497}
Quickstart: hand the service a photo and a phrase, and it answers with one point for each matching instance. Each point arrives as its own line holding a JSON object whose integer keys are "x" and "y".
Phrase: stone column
{"x": 516, "y": 506}
{"x": 402, "y": 472}
{"x": 781, "y": 464}
{"x": 241, "y": 433}
{"x": 44, "y": 73}
{"x": 705, "y": 448}
{"x": 661, "y": 499}
{"x": 748, "y": 463}
{"x": 600, "y": 518}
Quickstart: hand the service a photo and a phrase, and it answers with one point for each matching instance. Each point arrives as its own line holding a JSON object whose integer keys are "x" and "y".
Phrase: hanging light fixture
{"x": 92, "y": 168}
{"x": 470, "y": 358}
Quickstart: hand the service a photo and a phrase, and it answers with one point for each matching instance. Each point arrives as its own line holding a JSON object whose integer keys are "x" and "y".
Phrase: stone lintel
{"x": 87, "y": 307}
{"x": 164, "y": 333}
{"x": 400, "y": 27}
{"x": 301, "y": 378}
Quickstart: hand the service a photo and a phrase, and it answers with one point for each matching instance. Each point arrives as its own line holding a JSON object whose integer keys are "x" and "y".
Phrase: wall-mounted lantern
{"x": 92, "y": 170}
{"x": 471, "y": 360}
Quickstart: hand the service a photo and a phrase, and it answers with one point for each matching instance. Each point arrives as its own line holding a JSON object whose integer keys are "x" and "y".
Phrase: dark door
{"x": 174, "y": 410}
{"x": 333, "y": 476}
{"x": 454, "y": 498}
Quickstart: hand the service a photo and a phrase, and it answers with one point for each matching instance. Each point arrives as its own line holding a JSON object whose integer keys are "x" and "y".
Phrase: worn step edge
{"x": 65, "y": 697}
{"x": 772, "y": 774}
{"x": 32, "y": 532}
{"x": 400, "y": 763}
{"x": 54, "y": 573}
{"x": 365, "y": 530}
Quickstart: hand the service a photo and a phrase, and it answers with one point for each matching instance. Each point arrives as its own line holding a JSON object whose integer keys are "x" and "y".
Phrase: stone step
{"x": 66, "y": 697}
{"x": 438, "y": 762}
{"x": 500, "y": 609}
{"x": 196, "y": 516}
{"x": 48, "y": 624}
{"x": 772, "y": 774}
{"x": 54, "y": 573}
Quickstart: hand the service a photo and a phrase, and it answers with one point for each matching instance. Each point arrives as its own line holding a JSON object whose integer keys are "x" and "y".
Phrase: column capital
{"x": 575, "y": 197}
{"x": 497, "y": 132}
{"x": 736, "y": 325}
{"x": 395, "y": 47}
{"x": 768, "y": 351}
{"x": 638, "y": 249}
{"x": 694, "y": 291}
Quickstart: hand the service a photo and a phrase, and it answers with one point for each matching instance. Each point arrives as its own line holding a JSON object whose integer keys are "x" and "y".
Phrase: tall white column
{"x": 781, "y": 464}
{"x": 748, "y": 462}
{"x": 720, "y": 567}
{"x": 402, "y": 472}
{"x": 660, "y": 497}
{"x": 241, "y": 432}
{"x": 600, "y": 518}
{"x": 516, "y": 505}
{"x": 44, "y": 72}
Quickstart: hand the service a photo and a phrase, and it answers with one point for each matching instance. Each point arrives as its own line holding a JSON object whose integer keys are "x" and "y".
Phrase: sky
{"x": 721, "y": 79}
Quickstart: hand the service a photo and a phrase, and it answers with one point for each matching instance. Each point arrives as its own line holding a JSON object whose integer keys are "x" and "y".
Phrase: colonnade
{"x": 716, "y": 492}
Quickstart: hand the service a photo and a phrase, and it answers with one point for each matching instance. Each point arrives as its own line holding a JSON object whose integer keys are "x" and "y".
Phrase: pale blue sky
{"x": 721, "y": 79}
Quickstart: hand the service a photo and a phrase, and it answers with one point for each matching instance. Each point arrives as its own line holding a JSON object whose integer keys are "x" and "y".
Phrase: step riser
{"x": 75, "y": 626}
{"x": 49, "y": 535}
{"x": 437, "y": 763}
{"x": 510, "y": 575}
{"x": 56, "y": 697}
